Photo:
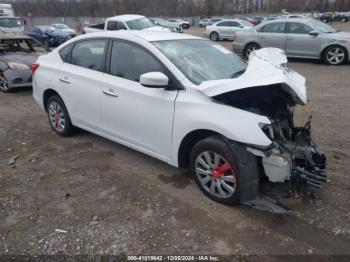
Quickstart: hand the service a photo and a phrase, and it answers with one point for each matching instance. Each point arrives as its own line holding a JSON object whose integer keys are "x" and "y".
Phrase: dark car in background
{"x": 17, "y": 54}
{"x": 48, "y": 35}
{"x": 327, "y": 17}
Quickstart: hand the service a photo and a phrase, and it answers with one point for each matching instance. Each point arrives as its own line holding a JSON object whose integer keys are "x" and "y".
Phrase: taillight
{"x": 35, "y": 66}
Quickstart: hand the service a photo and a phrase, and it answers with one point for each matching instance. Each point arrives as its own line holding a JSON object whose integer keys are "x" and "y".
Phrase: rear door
{"x": 299, "y": 41}
{"x": 80, "y": 80}
{"x": 223, "y": 28}
{"x": 273, "y": 35}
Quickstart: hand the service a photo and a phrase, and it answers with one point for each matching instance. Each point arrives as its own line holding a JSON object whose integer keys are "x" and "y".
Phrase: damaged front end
{"x": 270, "y": 89}
{"x": 292, "y": 156}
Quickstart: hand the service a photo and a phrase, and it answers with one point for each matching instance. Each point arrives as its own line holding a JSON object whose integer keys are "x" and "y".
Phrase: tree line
{"x": 168, "y": 8}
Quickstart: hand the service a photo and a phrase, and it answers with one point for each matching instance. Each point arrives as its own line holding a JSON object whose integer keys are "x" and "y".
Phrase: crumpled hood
{"x": 157, "y": 28}
{"x": 20, "y": 57}
{"x": 266, "y": 66}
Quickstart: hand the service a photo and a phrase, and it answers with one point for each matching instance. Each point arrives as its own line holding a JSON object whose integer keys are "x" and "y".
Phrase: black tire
{"x": 214, "y": 36}
{"x": 248, "y": 49}
{"x": 68, "y": 129}
{"x": 344, "y": 20}
{"x": 3, "y": 83}
{"x": 327, "y": 54}
{"x": 242, "y": 162}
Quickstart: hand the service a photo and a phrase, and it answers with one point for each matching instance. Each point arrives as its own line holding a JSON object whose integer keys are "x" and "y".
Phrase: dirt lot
{"x": 111, "y": 200}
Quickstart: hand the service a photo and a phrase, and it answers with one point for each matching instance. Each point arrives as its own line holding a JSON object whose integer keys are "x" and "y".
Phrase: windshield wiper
{"x": 238, "y": 73}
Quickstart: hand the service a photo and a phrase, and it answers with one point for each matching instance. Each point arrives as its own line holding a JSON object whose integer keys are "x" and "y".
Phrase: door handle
{"x": 110, "y": 92}
{"x": 290, "y": 38}
{"x": 64, "y": 80}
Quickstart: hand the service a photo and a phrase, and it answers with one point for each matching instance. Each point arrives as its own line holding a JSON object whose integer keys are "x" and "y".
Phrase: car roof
{"x": 301, "y": 20}
{"x": 147, "y": 35}
{"x": 125, "y": 18}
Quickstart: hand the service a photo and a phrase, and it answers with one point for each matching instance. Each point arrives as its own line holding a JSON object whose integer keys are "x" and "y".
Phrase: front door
{"x": 273, "y": 35}
{"x": 141, "y": 117}
{"x": 299, "y": 41}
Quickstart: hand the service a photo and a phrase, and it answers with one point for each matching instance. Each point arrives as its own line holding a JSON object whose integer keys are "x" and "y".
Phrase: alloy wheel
{"x": 56, "y": 116}
{"x": 216, "y": 174}
{"x": 214, "y": 36}
{"x": 335, "y": 56}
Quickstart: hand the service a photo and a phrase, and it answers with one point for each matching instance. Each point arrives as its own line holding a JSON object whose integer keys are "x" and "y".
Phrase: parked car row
{"x": 301, "y": 38}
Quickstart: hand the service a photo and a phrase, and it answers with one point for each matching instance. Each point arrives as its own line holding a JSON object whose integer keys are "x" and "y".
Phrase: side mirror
{"x": 314, "y": 33}
{"x": 154, "y": 80}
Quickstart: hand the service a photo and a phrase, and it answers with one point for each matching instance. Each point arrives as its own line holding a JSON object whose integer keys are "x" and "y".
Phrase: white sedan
{"x": 185, "y": 101}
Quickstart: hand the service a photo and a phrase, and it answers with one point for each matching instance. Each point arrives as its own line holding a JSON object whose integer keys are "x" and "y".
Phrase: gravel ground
{"x": 87, "y": 195}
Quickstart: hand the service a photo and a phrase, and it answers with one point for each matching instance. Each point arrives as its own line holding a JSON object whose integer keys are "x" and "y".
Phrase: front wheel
{"x": 335, "y": 55}
{"x": 214, "y": 36}
{"x": 224, "y": 171}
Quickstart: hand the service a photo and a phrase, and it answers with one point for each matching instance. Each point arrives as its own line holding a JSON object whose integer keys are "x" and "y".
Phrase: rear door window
{"x": 224, "y": 23}
{"x": 273, "y": 28}
{"x": 65, "y": 53}
{"x": 89, "y": 54}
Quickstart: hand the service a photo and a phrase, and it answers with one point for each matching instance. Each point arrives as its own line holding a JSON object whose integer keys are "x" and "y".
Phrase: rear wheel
{"x": 58, "y": 116}
{"x": 335, "y": 55}
{"x": 344, "y": 20}
{"x": 214, "y": 36}
{"x": 224, "y": 171}
{"x": 250, "y": 48}
{"x": 4, "y": 87}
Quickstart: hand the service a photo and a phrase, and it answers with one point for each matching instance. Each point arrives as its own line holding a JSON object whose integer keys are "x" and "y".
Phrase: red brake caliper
{"x": 220, "y": 171}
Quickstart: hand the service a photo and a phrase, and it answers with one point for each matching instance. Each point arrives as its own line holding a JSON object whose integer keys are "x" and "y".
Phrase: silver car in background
{"x": 300, "y": 38}
{"x": 226, "y": 29}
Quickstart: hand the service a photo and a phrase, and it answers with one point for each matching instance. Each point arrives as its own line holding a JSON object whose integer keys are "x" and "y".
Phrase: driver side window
{"x": 298, "y": 28}
{"x": 130, "y": 61}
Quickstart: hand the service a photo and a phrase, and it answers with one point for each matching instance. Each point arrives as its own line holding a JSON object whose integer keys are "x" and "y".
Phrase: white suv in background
{"x": 185, "y": 101}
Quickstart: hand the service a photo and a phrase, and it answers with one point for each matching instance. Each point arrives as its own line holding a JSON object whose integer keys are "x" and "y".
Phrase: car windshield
{"x": 322, "y": 27}
{"x": 202, "y": 60}
{"x": 139, "y": 24}
{"x": 10, "y": 22}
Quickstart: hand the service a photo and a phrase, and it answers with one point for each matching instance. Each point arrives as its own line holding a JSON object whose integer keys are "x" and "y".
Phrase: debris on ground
{"x": 12, "y": 160}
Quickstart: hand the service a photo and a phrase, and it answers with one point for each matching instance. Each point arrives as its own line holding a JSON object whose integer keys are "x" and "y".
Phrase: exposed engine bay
{"x": 293, "y": 157}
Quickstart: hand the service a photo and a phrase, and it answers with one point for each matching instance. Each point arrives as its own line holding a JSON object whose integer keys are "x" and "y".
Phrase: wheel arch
{"x": 188, "y": 142}
{"x": 216, "y": 32}
{"x": 49, "y": 93}
{"x": 249, "y": 43}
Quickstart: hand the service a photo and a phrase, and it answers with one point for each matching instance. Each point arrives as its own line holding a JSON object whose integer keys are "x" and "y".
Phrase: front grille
{"x": 315, "y": 178}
